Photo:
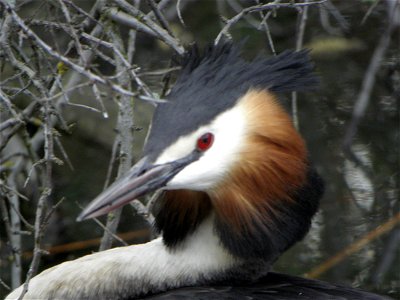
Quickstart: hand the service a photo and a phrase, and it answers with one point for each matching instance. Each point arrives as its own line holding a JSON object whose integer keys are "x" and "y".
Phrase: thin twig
{"x": 44, "y": 198}
{"x": 10, "y": 123}
{"x": 143, "y": 211}
{"x": 159, "y": 15}
{"x": 106, "y": 229}
{"x": 354, "y": 247}
{"x": 7, "y": 103}
{"x": 125, "y": 126}
{"x": 340, "y": 19}
{"x": 97, "y": 96}
{"x": 81, "y": 70}
{"x": 256, "y": 8}
{"x": 63, "y": 152}
{"x": 85, "y": 107}
{"x": 159, "y": 72}
{"x": 369, "y": 78}
{"x": 161, "y": 33}
{"x": 370, "y": 10}
{"x": 127, "y": 20}
{"x": 267, "y": 31}
{"x": 68, "y": 18}
{"x": 22, "y": 218}
{"x": 125, "y": 63}
{"x": 73, "y": 81}
{"x": 115, "y": 148}
{"x": 179, "y": 13}
{"x": 132, "y": 38}
{"x": 68, "y": 90}
{"x": 299, "y": 44}
{"x": 12, "y": 190}
{"x": 51, "y": 211}
{"x": 237, "y": 7}
{"x": 387, "y": 257}
{"x": 153, "y": 200}
{"x": 110, "y": 233}
{"x": 15, "y": 250}
{"x": 37, "y": 252}
{"x": 5, "y": 285}
{"x": 89, "y": 16}
{"x": 5, "y": 137}
{"x": 81, "y": 245}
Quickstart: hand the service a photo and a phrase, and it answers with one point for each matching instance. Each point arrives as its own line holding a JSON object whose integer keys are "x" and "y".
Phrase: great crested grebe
{"x": 239, "y": 191}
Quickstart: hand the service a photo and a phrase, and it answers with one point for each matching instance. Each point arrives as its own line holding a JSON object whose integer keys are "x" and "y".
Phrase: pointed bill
{"x": 142, "y": 178}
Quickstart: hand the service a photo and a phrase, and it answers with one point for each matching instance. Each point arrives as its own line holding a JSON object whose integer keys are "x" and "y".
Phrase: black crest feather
{"x": 289, "y": 71}
{"x": 212, "y": 82}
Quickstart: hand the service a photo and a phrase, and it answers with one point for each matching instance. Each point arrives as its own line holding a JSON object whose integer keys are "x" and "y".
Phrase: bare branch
{"x": 369, "y": 78}
{"x": 125, "y": 63}
{"x": 159, "y": 15}
{"x": 340, "y": 19}
{"x": 7, "y": 103}
{"x": 132, "y": 37}
{"x": 125, "y": 19}
{"x": 299, "y": 44}
{"x": 5, "y": 285}
{"x": 264, "y": 24}
{"x": 110, "y": 233}
{"x": 115, "y": 148}
{"x": 89, "y": 16}
{"x": 15, "y": 248}
{"x": 258, "y": 8}
{"x": 37, "y": 252}
{"x": 142, "y": 211}
{"x": 62, "y": 58}
{"x": 97, "y": 95}
{"x": 10, "y": 123}
{"x": 17, "y": 211}
{"x": 160, "y": 32}
{"x": 179, "y": 13}
{"x": 63, "y": 152}
{"x": 354, "y": 247}
{"x": 72, "y": 31}
{"x": 125, "y": 126}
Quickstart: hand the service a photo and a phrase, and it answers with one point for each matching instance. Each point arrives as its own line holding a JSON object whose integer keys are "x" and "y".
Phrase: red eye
{"x": 205, "y": 141}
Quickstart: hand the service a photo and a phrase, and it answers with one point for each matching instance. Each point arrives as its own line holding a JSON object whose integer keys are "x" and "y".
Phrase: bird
{"x": 239, "y": 189}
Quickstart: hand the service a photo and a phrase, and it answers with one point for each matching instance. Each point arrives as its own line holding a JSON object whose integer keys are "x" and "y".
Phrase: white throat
{"x": 135, "y": 270}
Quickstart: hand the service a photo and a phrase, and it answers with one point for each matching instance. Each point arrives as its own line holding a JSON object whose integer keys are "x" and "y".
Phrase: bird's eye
{"x": 205, "y": 141}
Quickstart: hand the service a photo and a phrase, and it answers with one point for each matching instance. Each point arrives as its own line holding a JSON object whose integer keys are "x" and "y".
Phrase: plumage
{"x": 212, "y": 82}
{"x": 229, "y": 209}
{"x": 273, "y": 286}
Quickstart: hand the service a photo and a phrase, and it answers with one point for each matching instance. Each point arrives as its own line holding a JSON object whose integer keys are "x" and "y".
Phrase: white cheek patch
{"x": 229, "y": 134}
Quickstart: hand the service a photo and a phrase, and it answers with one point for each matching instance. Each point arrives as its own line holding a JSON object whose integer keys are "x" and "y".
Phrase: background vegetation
{"x": 78, "y": 83}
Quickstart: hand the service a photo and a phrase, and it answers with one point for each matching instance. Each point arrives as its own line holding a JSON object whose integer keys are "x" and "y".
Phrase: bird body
{"x": 273, "y": 286}
{"x": 238, "y": 186}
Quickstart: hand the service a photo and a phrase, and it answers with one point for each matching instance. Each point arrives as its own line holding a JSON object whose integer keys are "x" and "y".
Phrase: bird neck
{"x": 138, "y": 270}
{"x": 261, "y": 226}
{"x": 199, "y": 259}
{"x": 272, "y": 227}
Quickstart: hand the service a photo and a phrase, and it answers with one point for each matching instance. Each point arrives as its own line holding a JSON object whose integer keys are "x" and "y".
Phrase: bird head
{"x": 223, "y": 144}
